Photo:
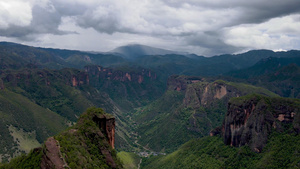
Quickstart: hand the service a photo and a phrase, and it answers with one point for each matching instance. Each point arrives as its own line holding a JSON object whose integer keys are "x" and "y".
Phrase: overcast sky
{"x": 204, "y": 27}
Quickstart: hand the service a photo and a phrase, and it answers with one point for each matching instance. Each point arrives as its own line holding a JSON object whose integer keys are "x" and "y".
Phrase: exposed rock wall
{"x": 1, "y": 84}
{"x": 80, "y": 79}
{"x": 52, "y": 157}
{"x": 107, "y": 125}
{"x": 102, "y": 136}
{"x": 180, "y": 83}
{"x": 74, "y": 77}
{"x": 132, "y": 76}
{"x": 249, "y": 120}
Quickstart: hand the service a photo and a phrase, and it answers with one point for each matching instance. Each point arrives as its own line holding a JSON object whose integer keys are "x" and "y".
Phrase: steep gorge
{"x": 68, "y": 92}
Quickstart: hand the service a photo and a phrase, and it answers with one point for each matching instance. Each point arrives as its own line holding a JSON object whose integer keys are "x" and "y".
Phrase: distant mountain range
{"x": 162, "y": 61}
{"x": 136, "y": 50}
{"x": 160, "y": 98}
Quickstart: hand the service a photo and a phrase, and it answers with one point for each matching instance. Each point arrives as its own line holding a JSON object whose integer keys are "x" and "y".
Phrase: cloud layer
{"x": 203, "y": 27}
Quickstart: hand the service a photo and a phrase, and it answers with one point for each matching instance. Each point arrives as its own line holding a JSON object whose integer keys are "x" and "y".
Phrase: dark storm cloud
{"x": 211, "y": 43}
{"x": 210, "y": 26}
{"x": 43, "y": 21}
{"x": 255, "y": 11}
{"x": 106, "y": 23}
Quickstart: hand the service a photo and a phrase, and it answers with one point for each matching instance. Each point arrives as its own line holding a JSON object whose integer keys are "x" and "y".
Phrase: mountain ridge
{"x": 132, "y": 51}
{"x": 87, "y": 144}
{"x": 190, "y": 108}
{"x": 273, "y": 141}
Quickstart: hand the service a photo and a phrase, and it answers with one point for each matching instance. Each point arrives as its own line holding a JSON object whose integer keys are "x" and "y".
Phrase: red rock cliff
{"x": 96, "y": 139}
{"x": 249, "y": 120}
{"x": 137, "y": 75}
{"x": 107, "y": 125}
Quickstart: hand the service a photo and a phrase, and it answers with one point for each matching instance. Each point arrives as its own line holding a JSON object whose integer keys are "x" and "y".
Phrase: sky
{"x": 203, "y": 27}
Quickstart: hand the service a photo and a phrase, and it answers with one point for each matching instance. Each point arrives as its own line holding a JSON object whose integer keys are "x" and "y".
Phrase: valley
{"x": 171, "y": 109}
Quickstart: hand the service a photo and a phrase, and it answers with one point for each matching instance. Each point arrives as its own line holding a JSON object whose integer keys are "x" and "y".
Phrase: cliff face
{"x": 95, "y": 135}
{"x": 249, "y": 120}
{"x": 201, "y": 93}
{"x": 192, "y": 105}
{"x": 1, "y": 84}
{"x": 53, "y": 158}
{"x": 69, "y": 91}
{"x": 180, "y": 83}
{"x": 74, "y": 77}
{"x": 87, "y": 144}
{"x": 106, "y": 73}
{"x": 107, "y": 126}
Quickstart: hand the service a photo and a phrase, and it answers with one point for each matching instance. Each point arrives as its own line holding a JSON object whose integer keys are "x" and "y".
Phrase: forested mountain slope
{"x": 258, "y": 132}
{"x": 190, "y": 108}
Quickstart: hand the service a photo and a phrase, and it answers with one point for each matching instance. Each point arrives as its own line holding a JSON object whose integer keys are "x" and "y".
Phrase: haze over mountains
{"x": 133, "y": 51}
{"x": 160, "y": 100}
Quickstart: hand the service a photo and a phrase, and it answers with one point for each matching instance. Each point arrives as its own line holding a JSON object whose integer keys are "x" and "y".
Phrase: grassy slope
{"x": 282, "y": 151}
{"x": 280, "y": 75}
{"x": 25, "y": 140}
{"x": 158, "y": 118}
{"x": 22, "y": 114}
{"x": 130, "y": 160}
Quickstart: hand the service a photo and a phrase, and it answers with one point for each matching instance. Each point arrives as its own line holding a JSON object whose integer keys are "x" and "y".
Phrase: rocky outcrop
{"x": 87, "y": 144}
{"x": 102, "y": 136}
{"x": 205, "y": 94}
{"x": 74, "y": 77}
{"x": 52, "y": 157}
{"x": 250, "y": 119}
{"x": 207, "y": 100}
{"x": 107, "y": 125}
{"x": 137, "y": 75}
{"x": 1, "y": 84}
{"x": 180, "y": 83}
{"x": 79, "y": 79}
{"x": 43, "y": 77}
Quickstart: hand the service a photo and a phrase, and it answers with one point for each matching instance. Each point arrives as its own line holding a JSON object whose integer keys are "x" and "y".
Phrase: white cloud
{"x": 15, "y": 12}
{"x": 277, "y": 33}
{"x": 202, "y": 26}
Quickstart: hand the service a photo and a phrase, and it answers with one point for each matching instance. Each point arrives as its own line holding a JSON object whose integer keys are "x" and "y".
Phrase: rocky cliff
{"x": 192, "y": 105}
{"x": 250, "y": 120}
{"x": 74, "y": 77}
{"x": 201, "y": 92}
{"x": 107, "y": 126}
{"x": 137, "y": 75}
{"x": 88, "y": 144}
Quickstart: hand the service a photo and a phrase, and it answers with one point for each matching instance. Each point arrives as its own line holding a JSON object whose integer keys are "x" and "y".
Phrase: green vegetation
{"x": 130, "y": 160}
{"x": 42, "y": 92}
{"x": 25, "y": 140}
{"x": 247, "y": 89}
{"x": 82, "y": 146}
{"x": 279, "y": 75}
{"x": 32, "y": 161}
{"x": 282, "y": 151}
{"x": 193, "y": 112}
{"x": 22, "y": 116}
{"x": 53, "y": 91}
{"x": 158, "y": 125}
